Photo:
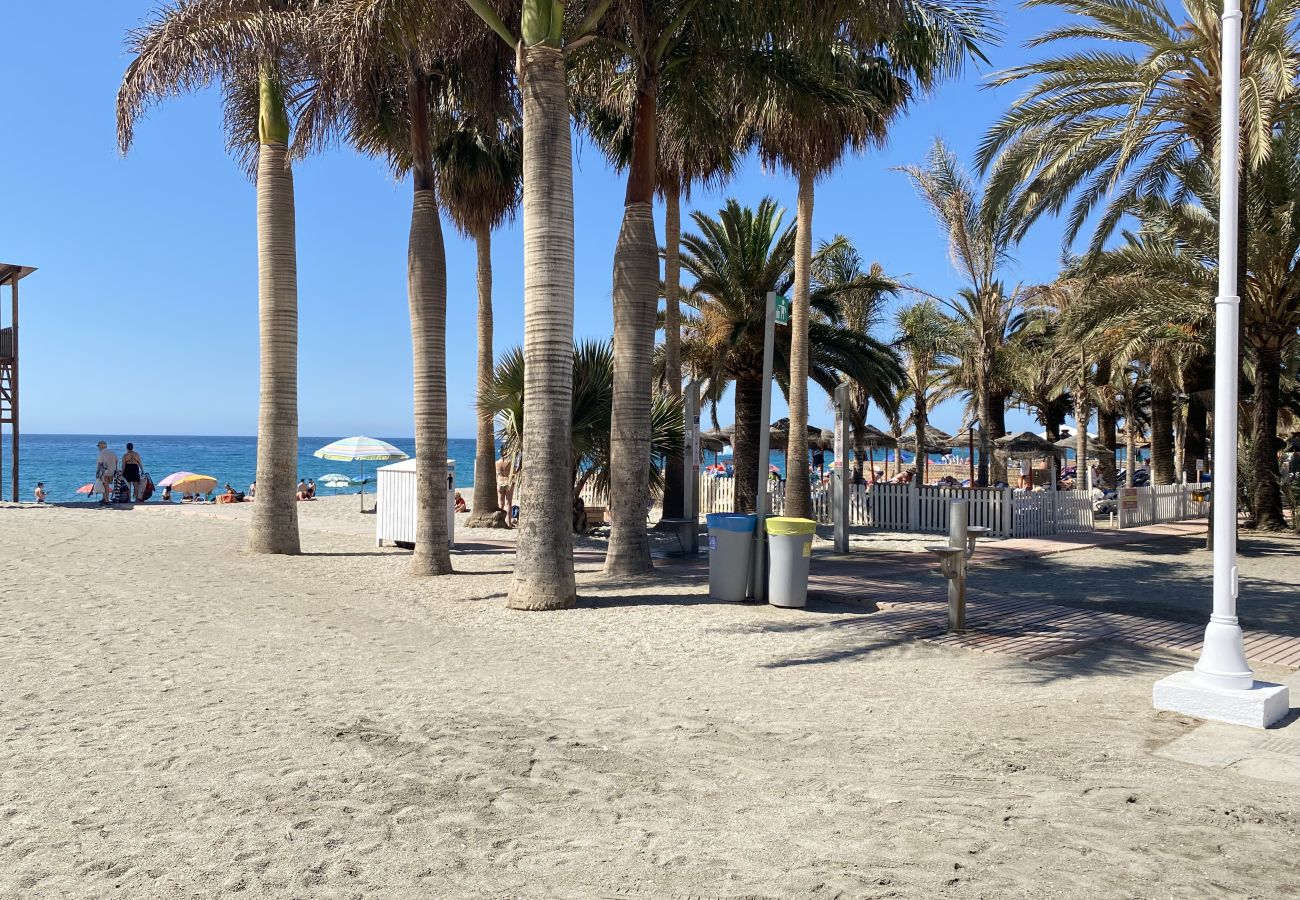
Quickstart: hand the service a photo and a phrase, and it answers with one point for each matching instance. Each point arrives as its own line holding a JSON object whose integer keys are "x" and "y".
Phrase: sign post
{"x": 691, "y": 487}
{"x": 759, "y": 584}
{"x": 841, "y": 482}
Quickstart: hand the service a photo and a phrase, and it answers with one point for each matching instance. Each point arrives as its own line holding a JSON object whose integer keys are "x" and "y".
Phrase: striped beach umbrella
{"x": 361, "y": 449}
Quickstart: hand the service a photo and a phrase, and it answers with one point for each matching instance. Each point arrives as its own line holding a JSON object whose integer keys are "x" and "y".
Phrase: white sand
{"x": 183, "y": 720}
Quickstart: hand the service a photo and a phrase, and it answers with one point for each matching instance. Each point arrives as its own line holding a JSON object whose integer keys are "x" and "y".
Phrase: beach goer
{"x": 40, "y": 492}
{"x": 132, "y": 468}
{"x": 460, "y": 504}
{"x": 505, "y": 481}
{"x": 302, "y": 490}
{"x": 252, "y": 491}
{"x": 311, "y": 488}
{"x": 105, "y": 472}
{"x": 167, "y": 493}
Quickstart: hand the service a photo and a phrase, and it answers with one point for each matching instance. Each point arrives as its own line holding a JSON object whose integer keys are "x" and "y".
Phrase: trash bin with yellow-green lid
{"x": 789, "y": 544}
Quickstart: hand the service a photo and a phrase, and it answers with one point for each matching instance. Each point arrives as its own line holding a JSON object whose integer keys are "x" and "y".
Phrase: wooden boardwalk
{"x": 1031, "y": 629}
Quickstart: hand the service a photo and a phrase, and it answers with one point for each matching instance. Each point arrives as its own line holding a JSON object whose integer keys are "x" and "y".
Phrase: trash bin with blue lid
{"x": 789, "y": 550}
{"x": 731, "y": 547}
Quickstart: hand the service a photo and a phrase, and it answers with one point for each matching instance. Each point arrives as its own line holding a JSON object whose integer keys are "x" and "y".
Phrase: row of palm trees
{"x": 476, "y": 103}
{"x": 444, "y": 94}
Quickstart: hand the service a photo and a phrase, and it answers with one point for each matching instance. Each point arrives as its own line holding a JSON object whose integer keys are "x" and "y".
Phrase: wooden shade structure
{"x": 10, "y": 275}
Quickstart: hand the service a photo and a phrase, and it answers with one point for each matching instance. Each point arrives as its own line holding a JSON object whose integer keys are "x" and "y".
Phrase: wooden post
{"x": 13, "y": 386}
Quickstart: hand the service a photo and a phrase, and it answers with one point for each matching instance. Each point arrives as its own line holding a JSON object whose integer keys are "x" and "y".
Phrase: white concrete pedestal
{"x": 1259, "y": 707}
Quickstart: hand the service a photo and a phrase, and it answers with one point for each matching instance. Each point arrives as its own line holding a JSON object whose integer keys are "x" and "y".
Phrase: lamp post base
{"x": 1223, "y": 656}
{"x": 1258, "y": 706}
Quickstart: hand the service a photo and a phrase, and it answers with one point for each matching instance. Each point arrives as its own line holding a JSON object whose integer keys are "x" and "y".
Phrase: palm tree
{"x": 392, "y": 94}
{"x": 543, "y": 576}
{"x": 479, "y": 176}
{"x": 593, "y": 405}
{"x": 925, "y": 336}
{"x": 830, "y": 93}
{"x": 736, "y": 258}
{"x": 861, "y": 295}
{"x": 251, "y": 49}
{"x": 979, "y": 230}
{"x": 1107, "y": 125}
{"x": 640, "y": 50}
{"x": 699, "y": 142}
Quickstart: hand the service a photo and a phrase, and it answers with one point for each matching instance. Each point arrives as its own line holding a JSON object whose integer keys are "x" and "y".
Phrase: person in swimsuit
{"x": 40, "y": 492}
{"x": 505, "y": 487}
{"x": 132, "y": 469}
{"x": 105, "y": 472}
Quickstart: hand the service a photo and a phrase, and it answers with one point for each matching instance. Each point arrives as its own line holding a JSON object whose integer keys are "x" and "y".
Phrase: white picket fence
{"x": 1160, "y": 503}
{"x": 924, "y": 509}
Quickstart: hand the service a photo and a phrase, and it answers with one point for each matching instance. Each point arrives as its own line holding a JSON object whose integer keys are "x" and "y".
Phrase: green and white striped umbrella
{"x": 361, "y": 449}
{"x": 355, "y": 449}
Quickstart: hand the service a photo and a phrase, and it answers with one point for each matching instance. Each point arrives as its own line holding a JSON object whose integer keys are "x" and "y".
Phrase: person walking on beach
{"x": 105, "y": 472}
{"x": 132, "y": 469}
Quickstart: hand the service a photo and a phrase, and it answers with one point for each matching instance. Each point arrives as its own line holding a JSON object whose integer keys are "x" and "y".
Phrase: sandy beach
{"x": 181, "y": 719}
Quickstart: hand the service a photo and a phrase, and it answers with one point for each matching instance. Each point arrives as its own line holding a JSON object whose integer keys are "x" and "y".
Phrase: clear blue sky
{"x": 143, "y": 316}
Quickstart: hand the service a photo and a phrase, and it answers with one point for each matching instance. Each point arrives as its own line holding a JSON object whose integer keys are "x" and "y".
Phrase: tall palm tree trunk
{"x": 426, "y": 291}
{"x": 636, "y": 293}
{"x": 274, "y": 528}
{"x": 484, "y": 511}
{"x": 1267, "y": 504}
{"x": 1082, "y": 415}
{"x": 986, "y": 444}
{"x": 858, "y": 422}
{"x": 1107, "y": 438}
{"x": 675, "y": 480}
{"x": 1162, "y": 431}
{"x": 543, "y": 577}
{"x": 798, "y": 491}
{"x": 997, "y": 429}
{"x": 921, "y": 416}
{"x": 745, "y": 440}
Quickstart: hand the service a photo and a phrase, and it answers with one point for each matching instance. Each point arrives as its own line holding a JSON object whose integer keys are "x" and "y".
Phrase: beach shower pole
{"x": 691, "y": 486}
{"x": 840, "y": 478}
{"x": 1221, "y": 685}
{"x": 764, "y": 451}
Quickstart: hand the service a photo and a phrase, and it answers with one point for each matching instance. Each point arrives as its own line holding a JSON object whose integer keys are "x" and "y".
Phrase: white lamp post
{"x": 1222, "y": 686}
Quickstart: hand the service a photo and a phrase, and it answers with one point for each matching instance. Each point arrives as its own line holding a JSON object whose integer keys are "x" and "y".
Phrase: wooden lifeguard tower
{"x": 10, "y": 275}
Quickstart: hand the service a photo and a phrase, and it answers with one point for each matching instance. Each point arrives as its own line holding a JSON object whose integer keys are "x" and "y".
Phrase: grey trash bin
{"x": 731, "y": 547}
{"x": 789, "y": 549}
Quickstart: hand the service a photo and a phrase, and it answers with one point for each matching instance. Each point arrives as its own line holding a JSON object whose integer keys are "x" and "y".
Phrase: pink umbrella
{"x": 173, "y": 478}
{"x": 86, "y": 489}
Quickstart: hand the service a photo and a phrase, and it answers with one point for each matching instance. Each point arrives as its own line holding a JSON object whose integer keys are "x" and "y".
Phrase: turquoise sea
{"x": 67, "y": 461}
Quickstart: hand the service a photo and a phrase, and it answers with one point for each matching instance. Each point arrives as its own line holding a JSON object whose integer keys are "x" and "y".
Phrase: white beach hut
{"x": 395, "y": 493}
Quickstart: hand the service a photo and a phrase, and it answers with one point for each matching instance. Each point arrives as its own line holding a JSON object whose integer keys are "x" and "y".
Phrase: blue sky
{"x": 143, "y": 316}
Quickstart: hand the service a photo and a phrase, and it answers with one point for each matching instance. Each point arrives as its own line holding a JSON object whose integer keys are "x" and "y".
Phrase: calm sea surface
{"x": 67, "y": 461}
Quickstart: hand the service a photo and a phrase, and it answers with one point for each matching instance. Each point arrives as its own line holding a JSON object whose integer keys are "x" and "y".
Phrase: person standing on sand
{"x": 505, "y": 485}
{"x": 105, "y": 472}
{"x": 40, "y": 492}
{"x": 132, "y": 469}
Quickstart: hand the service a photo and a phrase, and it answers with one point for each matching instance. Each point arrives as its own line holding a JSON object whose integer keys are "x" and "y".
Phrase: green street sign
{"x": 782, "y": 310}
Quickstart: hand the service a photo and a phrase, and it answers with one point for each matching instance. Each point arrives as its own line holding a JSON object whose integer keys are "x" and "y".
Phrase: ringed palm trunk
{"x": 484, "y": 510}
{"x": 858, "y": 420}
{"x": 543, "y": 577}
{"x": 1267, "y": 503}
{"x": 1082, "y": 414}
{"x": 745, "y": 441}
{"x": 274, "y": 528}
{"x": 675, "y": 480}
{"x": 636, "y": 292}
{"x": 426, "y": 292}
{"x": 798, "y": 490}
{"x": 922, "y": 420}
{"x": 1130, "y": 446}
{"x": 1162, "y": 432}
{"x": 1106, "y": 437}
{"x": 997, "y": 429}
{"x": 986, "y": 445}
